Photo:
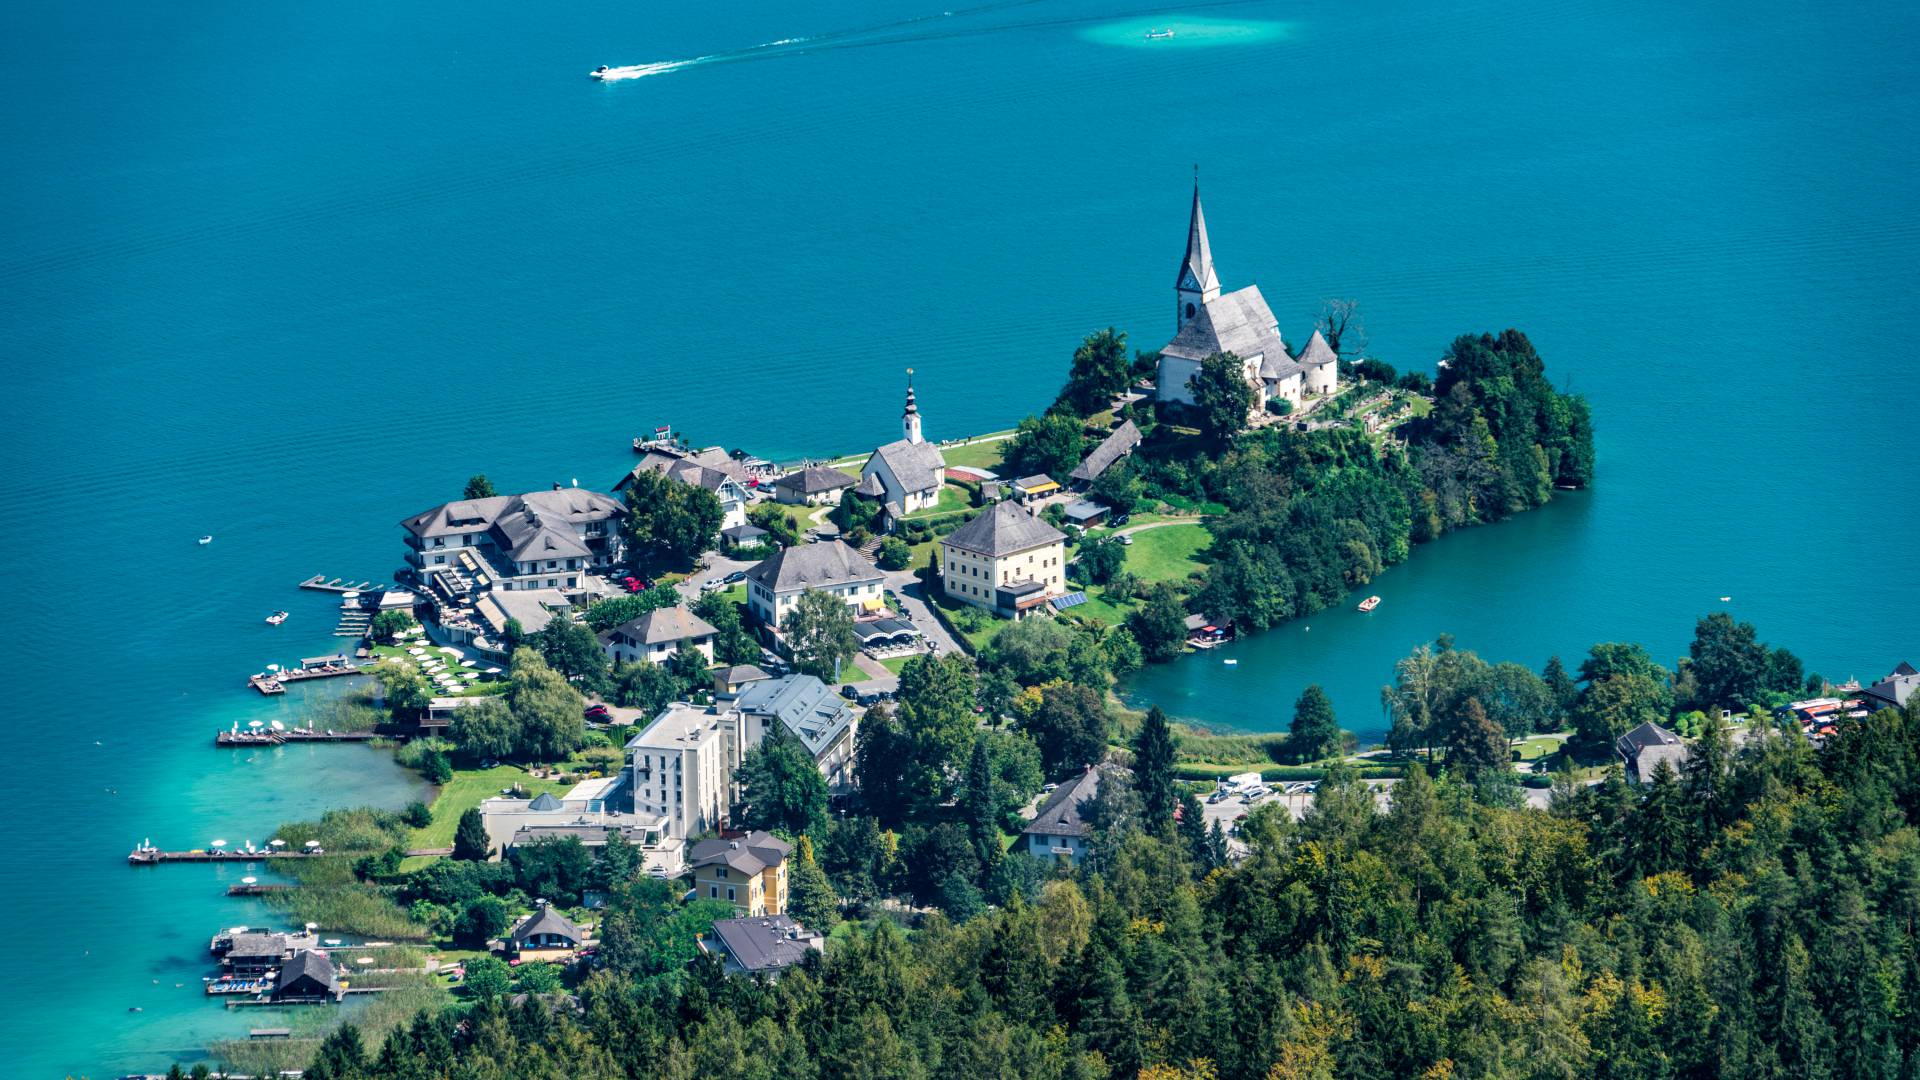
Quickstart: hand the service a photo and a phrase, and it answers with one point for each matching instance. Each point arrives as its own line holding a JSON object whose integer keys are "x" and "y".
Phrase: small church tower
{"x": 1197, "y": 285}
{"x": 910, "y": 420}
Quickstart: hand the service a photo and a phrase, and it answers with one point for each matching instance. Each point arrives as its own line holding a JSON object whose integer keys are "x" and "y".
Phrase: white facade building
{"x": 681, "y": 768}
{"x": 775, "y": 584}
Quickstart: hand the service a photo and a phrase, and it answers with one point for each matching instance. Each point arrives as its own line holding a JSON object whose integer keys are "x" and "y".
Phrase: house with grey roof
{"x": 657, "y": 635}
{"x": 813, "y": 486}
{"x": 307, "y": 976}
{"x": 775, "y": 584}
{"x": 1005, "y": 560}
{"x": 749, "y": 872}
{"x": 905, "y": 475}
{"x": 1119, "y": 443}
{"x": 539, "y": 540}
{"x": 711, "y": 469}
{"x": 1208, "y": 322}
{"x": 545, "y": 931}
{"x": 766, "y": 945}
{"x": 730, "y": 681}
{"x": 1058, "y": 831}
{"x": 1645, "y": 747}
{"x": 1894, "y": 691}
{"x": 807, "y": 709}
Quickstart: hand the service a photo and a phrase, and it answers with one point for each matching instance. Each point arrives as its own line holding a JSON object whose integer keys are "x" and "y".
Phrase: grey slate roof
{"x": 685, "y": 470}
{"x": 1060, "y": 814}
{"x": 545, "y": 801}
{"x": 527, "y": 537}
{"x": 813, "y": 566}
{"x": 1240, "y": 323}
{"x": 815, "y": 481}
{"x": 305, "y": 964}
{"x": 750, "y": 854}
{"x": 744, "y": 534}
{"x": 804, "y": 705}
{"x": 1647, "y": 734}
{"x": 870, "y": 485}
{"x": 917, "y": 466}
{"x": 1897, "y": 688}
{"x": 666, "y": 624}
{"x": 1118, "y": 444}
{"x": 545, "y": 920}
{"x": 570, "y": 506}
{"x": 1003, "y": 529}
{"x": 1317, "y": 352}
{"x": 1199, "y": 255}
{"x": 740, "y": 673}
{"x": 764, "y": 942}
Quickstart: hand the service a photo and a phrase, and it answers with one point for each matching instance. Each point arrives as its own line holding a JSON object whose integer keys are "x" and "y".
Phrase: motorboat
{"x": 1159, "y": 35}
{"x": 1369, "y": 603}
{"x": 206, "y": 540}
{"x": 600, "y": 73}
{"x": 1230, "y": 662}
{"x": 276, "y": 618}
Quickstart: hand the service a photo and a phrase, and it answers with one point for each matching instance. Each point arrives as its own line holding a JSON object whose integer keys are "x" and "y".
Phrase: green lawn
{"x": 895, "y": 663}
{"x": 851, "y": 672}
{"x": 467, "y": 790}
{"x": 1167, "y": 553}
{"x": 1535, "y": 747}
{"x": 952, "y": 498}
{"x": 476, "y": 689}
{"x": 976, "y": 455}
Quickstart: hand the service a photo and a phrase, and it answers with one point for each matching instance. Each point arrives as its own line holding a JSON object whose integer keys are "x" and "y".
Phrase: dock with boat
{"x": 274, "y": 680}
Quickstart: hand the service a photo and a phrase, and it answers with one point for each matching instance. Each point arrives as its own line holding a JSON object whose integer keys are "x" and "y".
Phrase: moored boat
{"x": 1159, "y": 35}
{"x": 206, "y": 540}
{"x": 1369, "y": 603}
{"x": 276, "y": 618}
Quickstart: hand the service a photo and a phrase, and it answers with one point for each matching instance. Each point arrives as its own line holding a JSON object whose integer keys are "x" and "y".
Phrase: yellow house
{"x": 750, "y": 873}
{"x": 1006, "y": 560}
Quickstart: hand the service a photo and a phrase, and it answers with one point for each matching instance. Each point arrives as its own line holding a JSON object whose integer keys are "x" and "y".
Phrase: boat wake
{"x": 641, "y": 71}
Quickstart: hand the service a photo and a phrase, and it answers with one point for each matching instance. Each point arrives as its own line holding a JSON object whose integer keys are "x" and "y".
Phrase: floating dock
{"x": 153, "y": 856}
{"x": 255, "y": 889}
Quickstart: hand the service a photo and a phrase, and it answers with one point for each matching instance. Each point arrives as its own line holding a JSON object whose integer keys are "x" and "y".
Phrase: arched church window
{"x": 1189, "y": 311}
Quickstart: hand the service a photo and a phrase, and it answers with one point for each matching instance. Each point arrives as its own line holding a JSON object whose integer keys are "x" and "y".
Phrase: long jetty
{"x": 152, "y": 856}
{"x": 275, "y": 738}
{"x": 323, "y": 583}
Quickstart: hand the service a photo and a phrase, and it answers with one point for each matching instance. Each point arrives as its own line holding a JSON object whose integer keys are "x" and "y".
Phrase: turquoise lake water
{"x": 284, "y": 274}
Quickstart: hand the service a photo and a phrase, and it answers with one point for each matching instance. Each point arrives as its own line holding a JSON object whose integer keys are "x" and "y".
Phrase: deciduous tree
{"x": 819, "y": 630}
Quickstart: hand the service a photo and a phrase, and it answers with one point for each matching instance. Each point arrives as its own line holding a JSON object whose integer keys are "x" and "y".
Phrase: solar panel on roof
{"x": 1072, "y": 599}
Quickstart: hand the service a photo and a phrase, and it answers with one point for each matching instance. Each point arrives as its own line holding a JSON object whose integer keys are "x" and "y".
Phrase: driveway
{"x": 718, "y": 566}
{"x": 906, "y": 585}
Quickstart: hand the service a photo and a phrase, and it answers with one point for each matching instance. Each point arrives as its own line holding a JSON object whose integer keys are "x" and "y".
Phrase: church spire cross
{"x": 1197, "y": 284}
{"x": 910, "y": 419}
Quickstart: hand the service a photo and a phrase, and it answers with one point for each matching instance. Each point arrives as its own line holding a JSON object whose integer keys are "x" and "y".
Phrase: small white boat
{"x": 1230, "y": 661}
{"x": 599, "y": 72}
{"x": 1726, "y": 599}
{"x": 1159, "y": 35}
{"x": 1369, "y": 603}
{"x": 206, "y": 540}
{"x": 276, "y": 618}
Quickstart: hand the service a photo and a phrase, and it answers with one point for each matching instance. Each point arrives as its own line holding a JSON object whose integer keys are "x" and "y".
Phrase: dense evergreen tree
{"x": 1314, "y": 733}
{"x": 782, "y": 786}
{"x": 470, "y": 836}
{"x": 670, "y": 521}
{"x": 1100, "y": 372}
{"x": 1153, "y": 752}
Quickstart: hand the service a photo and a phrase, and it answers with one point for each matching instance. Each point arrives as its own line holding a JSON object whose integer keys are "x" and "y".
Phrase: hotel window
{"x": 729, "y": 892}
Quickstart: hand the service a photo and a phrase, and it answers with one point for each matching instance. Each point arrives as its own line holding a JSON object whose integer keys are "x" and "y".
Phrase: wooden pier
{"x": 323, "y": 583}
{"x": 275, "y": 738}
{"x": 255, "y": 889}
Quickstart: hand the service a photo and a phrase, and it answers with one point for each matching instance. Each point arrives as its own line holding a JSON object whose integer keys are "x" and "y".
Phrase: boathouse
{"x": 307, "y": 977}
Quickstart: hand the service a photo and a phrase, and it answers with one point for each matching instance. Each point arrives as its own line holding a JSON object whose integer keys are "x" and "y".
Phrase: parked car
{"x": 735, "y": 578}
{"x": 849, "y": 692}
{"x": 712, "y": 584}
{"x": 636, "y": 585}
{"x": 599, "y": 713}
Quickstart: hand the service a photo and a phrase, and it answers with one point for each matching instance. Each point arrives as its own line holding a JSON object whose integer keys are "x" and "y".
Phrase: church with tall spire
{"x": 1207, "y": 321}
{"x": 905, "y": 475}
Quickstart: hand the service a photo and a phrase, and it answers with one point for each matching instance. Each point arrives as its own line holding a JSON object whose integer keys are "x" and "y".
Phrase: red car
{"x": 635, "y": 585}
{"x": 598, "y": 713}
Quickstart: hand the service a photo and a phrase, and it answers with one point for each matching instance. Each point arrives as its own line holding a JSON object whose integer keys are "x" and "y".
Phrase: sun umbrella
{"x": 273, "y": 667}
{"x": 364, "y": 960}
{"x": 218, "y": 843}
{"x": 256, "y": 723}
{"x": 276, "y": 842}
{"x": 278, "y": 726}
{"x": 313, "y": 926}
{"x": 248, "y": 880}
{"x": 313, "y": 843}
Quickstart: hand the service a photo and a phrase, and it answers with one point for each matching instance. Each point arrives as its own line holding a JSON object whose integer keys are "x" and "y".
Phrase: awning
{"x": 876, "y": 604}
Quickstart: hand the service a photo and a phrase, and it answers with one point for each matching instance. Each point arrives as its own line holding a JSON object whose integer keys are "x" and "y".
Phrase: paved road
{"x": 718, "y": 566}
{"x": 913, "y": 598}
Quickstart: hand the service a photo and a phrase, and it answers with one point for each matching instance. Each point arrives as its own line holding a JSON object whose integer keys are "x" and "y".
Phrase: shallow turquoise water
{"x": 285, "y": 274}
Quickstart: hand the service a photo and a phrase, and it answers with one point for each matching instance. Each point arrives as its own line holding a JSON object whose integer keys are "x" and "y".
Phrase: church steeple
{"x": 910, "y": 420}
{"x": 1197, "y": 285}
